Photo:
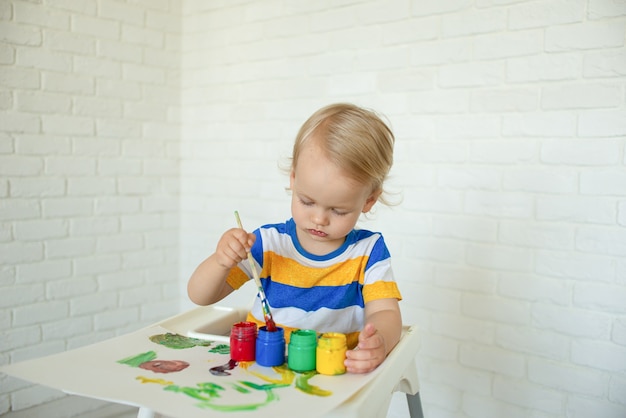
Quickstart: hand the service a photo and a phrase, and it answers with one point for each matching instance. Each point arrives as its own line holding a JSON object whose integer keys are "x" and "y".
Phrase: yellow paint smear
{"x": 163, "y": 382}
{"x": 286, "y": 375}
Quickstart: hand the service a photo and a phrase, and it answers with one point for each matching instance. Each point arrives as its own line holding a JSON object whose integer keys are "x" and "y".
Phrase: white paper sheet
{"x": 96, "y": 371}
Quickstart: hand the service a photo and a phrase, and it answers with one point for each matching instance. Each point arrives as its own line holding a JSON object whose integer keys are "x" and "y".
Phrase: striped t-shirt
{"x": 326, "y": 293}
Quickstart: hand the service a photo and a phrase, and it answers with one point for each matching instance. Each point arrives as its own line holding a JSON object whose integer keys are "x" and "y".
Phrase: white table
{"x": 96, "y": 371}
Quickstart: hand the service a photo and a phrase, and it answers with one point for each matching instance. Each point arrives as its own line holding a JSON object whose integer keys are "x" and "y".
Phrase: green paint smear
{"x": 135, "y": 361}
{"x": 270, "y": 397}
{"x": 204, "y": 392}
{"x": 302, "y": 383}
{"x": 208, "y": 392}
{"x": 220, "y": 349}
{"x": 240, "y": 388}
{"x": 267, "y": 386}
{"x": 177, "y": 341}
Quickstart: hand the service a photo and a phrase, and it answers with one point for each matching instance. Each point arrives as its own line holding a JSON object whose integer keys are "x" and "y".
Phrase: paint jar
{"x": 301, "y": 353}
{"x": 243, "y": 341}
{"x": 331, "y": 353}
{"x": 270, "y": 347}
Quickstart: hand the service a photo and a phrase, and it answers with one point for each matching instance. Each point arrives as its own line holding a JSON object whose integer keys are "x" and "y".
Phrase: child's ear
{"x": 371, "y": 200}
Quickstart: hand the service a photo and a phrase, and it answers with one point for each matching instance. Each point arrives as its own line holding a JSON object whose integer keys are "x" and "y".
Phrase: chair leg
{"x": 148, "y": 413}
{"x": 415, "y": 405}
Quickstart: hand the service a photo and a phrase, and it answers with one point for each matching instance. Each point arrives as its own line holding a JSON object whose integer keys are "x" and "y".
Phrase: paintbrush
{"x": 270, "y": 325}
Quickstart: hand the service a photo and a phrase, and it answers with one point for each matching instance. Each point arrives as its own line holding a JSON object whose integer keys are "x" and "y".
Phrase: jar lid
{"x": 303, "y": 337}
{"x": 332, "y": 341}
{"x": 245, "y": 328}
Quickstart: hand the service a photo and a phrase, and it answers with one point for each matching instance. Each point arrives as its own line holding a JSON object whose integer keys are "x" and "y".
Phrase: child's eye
{"x": 306, "y": 202}
{"x": 339, "y": 212}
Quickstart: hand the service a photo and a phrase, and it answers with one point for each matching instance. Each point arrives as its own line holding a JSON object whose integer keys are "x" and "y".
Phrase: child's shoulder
{"x": 360, "y": 234}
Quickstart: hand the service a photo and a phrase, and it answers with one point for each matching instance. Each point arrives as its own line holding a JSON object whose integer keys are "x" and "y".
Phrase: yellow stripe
{"x": 289, "y": 272}
{"x": 381, "y": 290}
{"x": 236, "y": 278}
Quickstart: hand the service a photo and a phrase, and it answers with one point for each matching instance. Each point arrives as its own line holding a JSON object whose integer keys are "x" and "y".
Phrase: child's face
{"x": 325, "y": 203}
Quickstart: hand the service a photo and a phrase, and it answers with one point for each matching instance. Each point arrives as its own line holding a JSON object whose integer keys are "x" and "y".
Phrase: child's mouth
{"x": 317, "y": 233}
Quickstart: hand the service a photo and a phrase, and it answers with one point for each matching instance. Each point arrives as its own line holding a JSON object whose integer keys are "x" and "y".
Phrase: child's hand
{"x": 233, "y": 247}
{"x": 368, "y": 354}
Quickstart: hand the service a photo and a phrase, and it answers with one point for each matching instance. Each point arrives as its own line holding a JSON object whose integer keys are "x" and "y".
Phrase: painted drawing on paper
{"x": 249, "y": 395}
{"x": 169, "y": 373}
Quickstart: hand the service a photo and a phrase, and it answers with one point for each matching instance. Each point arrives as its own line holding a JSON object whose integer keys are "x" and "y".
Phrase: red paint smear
{"x": 164, "y": 366}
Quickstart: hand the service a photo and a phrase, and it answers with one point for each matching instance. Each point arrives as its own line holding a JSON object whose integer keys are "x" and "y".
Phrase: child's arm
{"x": 383, "y": 327}
{"x": 207, "y": 284}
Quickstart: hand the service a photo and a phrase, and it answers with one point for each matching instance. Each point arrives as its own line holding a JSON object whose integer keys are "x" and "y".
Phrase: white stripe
{"x": 345, "y": 320}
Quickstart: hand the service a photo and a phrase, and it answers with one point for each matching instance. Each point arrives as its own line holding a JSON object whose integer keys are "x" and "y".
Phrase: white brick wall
{"x": 511, "y": 125}
{"x": 89, "y": 179}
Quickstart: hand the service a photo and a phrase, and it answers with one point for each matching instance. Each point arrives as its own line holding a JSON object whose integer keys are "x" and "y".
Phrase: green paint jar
{"x": 301, "y": 350}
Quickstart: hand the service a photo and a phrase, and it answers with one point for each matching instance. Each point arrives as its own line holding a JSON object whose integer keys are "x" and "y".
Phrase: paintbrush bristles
{"x": 269, "y": 321}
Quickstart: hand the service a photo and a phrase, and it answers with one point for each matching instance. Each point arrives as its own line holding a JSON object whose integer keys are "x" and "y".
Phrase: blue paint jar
{"x": 270, "y": 347}
{"x": 301, "y": 353}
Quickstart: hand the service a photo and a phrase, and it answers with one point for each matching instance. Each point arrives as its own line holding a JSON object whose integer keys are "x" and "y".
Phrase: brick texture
{"x": 83, "y": 85}
{"x": 131, "y": 130}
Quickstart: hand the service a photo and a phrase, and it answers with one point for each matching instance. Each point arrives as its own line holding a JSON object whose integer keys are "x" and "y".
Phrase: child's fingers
{"x": 233, "y": 247}
{"x": 360, "y": 354}
{"x": 368, "y": 331}
{"x": 368, "y": 354}
{"x": 235, "y": 241}
{"x": 361, "y": 366}
{"x": 367, "y": 337}
{"x": 244, "y": 238}
{"x": 363, "y": 361}
{"x": 251, "y": 240}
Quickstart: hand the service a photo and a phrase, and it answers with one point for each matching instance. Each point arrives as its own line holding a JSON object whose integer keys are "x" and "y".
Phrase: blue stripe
{"x": 257, "y": 248}
{"x": 311, "y": 299}
{"x": 379, "y": 252}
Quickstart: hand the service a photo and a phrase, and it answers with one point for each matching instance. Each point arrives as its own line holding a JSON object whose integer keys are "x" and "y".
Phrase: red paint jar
{"x": 243, "y": 341}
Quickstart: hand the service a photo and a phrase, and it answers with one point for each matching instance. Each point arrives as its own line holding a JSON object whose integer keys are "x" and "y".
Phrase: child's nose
{"x": 320, "y": 217}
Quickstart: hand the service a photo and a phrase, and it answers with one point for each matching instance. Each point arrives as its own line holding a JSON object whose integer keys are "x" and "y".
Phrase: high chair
{"x": 398, "y": 374}
{"x": 84, "y": 371}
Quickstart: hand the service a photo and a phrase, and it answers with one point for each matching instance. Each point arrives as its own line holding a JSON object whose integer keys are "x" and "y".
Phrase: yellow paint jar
{"x": 331, "y": 353}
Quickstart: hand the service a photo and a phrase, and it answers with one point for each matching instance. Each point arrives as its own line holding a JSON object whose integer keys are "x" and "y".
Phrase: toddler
{"x": 318, "y": 271}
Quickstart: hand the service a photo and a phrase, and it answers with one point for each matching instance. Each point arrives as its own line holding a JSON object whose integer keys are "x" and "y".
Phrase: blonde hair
{"x": 355, "y": 139}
